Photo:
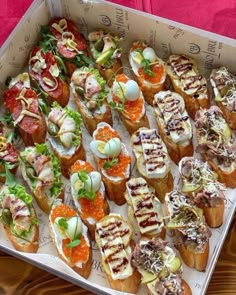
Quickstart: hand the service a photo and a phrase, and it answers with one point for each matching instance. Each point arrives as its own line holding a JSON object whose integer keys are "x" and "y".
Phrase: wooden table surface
{"x": 20, "y": 278}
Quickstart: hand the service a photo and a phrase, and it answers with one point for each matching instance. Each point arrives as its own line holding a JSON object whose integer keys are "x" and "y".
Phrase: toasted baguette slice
{"x": 62, "y": 237}
{"x": 41, "y": 171}
{"x": 173, "y": 124}
{"x": 152, "y": 78}
{"x": 214, "y": 215}
{"x": 182, "y": 284}
{"x": 153, "y": 161}
{"x": 224, "y": 87}
{"x": 127, "y": 98}
{"x": 22, "y": 102}
{"x": 112, "y": 160}
{"x": 190, "y": 230}
{"x": 192, "y": 257}
{"x": 158, "y": 264}
{"x": 188, "y": 82}
{"x": 91, "y": 203}
{"x": 144, "y": 210}
{"x": 90, "y": 91}
{"x": 46, "y": 75}
{"x": 65, "y": 136}
{"x": 113, "y": 237}
{"x": 19, "y": 218}
{"x": 215, "y": 141}
{"x": 105, "y": 50}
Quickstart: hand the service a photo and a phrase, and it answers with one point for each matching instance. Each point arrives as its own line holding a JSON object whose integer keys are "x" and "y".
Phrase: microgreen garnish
{"x": 83, "y": 193}
{"x": 110, "y": 163}
{"x": 75, "y": 242}
{"x": 62, "y": 222}
{"x": 146, "y": 64}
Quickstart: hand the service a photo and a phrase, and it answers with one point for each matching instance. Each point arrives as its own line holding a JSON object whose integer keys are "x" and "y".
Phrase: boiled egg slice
{"x": 98, "y": 148}
{"x": 137, "y": 57}
{"x": 119, "y": 89}
{"x": 74, "y": 227}
{"x": 149, "y": 54}
{"x": 132, "y": 91}
{"x": 113, "y": 147}
{"x": 93, "y": 181}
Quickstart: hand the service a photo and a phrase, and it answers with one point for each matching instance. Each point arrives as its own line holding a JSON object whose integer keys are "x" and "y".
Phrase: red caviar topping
{"x": 78, "y": 253}
{"x": 157, "y": 69}
{"x": 106, "y": 133}
{"x": 93, "y": 209}
{"x": 81, "y": 166}
{"x": 119, "y": 169}
{"x": 62, "y": 210}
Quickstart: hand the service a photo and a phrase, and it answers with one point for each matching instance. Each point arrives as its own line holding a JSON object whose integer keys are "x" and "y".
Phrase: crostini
{"x": 19, "y": 218}
{"x": 113, "y": 161}
{"x": 88, "y": 193}
{"x": 173, "y": 124}
{"x": 188, "y": 82}
{"x": 70, "y": 238}
{"x": 105, "y": 50}
{"x": 148, "y": 69}
{"x": 216, "y": 143}
{"x": 160, "y": 267}
{"x": 9, "y": 157}
{"x": 127, "y": 98}
{"x": 191, "y": 234}
{"x": 153, "y": 161}
{"x": 65, "y": 136}
{"x": 224, "y": 87}
{"x": 144, "y": 209}
{"x": 114, "y": 239}
{"x": 45, "y": 72}
{"x": 22, "y": 102}
{"x": 89, "y": 90}
{"x": 200, "y": 181}
{"x": 70, "y": 45}
{"x": 41, "y": 171}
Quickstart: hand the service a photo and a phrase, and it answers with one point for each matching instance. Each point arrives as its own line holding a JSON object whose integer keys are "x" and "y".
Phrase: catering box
{"x": 167, "y": 37}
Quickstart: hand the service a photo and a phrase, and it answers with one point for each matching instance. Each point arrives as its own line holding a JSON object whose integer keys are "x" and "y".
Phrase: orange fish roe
{"x": 134, "y": 109}
{"x": 78, "y": 253}
{"x": 122, "y": 78}
{"x": 81, "y": 166}
{"x": 62, "y": 211}
{"x": 138, "y": 45}
{"x": 93, "y": 209}
{"x": 119, "y": 169}
{"x": 157, "y": 69}
{"x": 106, "y": 133}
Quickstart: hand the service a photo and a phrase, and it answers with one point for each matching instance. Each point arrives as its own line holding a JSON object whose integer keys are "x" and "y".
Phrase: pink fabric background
{"x": 217, "y": 16}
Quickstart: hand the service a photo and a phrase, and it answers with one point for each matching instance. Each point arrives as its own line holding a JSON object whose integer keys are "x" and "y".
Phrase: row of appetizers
{"x": 124, "y": 262}
{"x": 215, "y": 139}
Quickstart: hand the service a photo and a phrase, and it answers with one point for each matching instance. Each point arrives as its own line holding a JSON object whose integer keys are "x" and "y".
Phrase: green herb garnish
{"x": 110, "y": 163}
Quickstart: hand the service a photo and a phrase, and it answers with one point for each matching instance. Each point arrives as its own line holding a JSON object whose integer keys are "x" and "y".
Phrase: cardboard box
{"x": 167, "y": 37}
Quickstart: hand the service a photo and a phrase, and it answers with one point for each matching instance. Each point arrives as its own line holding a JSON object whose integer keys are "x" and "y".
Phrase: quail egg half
{"x": 108, "y": 149}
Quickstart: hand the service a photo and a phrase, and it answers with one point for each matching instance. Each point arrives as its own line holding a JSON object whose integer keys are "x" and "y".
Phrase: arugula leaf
{"x": 43, "y": 106}
{"x": 110, "y": 164}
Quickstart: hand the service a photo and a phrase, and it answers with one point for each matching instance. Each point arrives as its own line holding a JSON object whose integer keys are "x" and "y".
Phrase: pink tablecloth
{"x": 217, "y": 16}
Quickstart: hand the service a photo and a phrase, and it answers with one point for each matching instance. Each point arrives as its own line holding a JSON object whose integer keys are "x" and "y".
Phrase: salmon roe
{"x": 119, "y": 169}
{"x": 157, "y": 69}
{"x": 138, "y": 45}
{"x": 62, "y": 210}
{"x": 81, "y": 166}
{"x": 93, "y": 209}
{"x": 122, "y": 78}
{"x": 134, "y": 109}
{"x": 106, "y": 133}
{"x": 78, "y": 253}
